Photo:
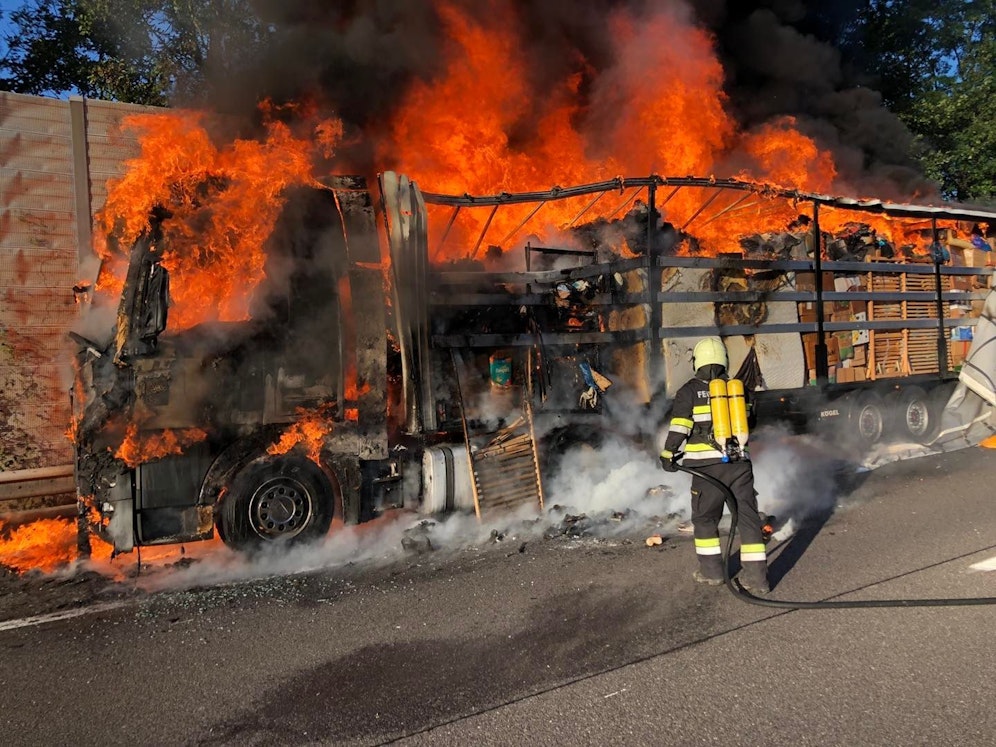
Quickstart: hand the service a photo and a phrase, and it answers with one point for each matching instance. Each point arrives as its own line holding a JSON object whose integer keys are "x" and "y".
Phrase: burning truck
{"x": 370, "y": 376}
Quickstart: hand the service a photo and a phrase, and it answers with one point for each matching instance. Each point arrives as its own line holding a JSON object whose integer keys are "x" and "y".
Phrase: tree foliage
{"x": 934, "y": 65}
{"x": 140, "y": 51}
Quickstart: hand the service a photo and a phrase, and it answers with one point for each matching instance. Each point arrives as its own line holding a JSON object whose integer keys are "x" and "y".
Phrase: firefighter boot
{"x": 710, "y": 570}
{"x": 754, "y": 577}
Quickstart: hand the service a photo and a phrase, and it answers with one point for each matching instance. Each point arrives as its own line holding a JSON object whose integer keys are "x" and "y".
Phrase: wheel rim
{"x": 870, "y": 423}
{"x": 917, "y": 417}
{"x": 280, "y": 508}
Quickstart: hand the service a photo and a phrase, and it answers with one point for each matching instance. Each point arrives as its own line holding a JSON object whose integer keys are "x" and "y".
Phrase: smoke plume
{"x": 361, "y": 60}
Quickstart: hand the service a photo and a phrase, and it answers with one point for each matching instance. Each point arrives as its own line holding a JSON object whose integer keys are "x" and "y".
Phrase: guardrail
{"x": 36, "y": 483}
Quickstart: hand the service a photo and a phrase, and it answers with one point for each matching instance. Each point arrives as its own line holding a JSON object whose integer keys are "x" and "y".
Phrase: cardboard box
{"x": 963, "y": 254}
{"x": 844, "y": 345}
{"x": 845, "y": 375}
{"x": 860, "y": 356}
{"x": 959, "y": 350}
{"x": 860, "y": 336}
{"x": 806, "y": 281}
{"x": 846, "y": 283}
{"x": 859, "y": 374}
{"x": 807, "y": 312}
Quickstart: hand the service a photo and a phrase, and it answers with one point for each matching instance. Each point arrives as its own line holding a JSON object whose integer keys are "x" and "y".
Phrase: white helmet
{"x": 709, "y": 351}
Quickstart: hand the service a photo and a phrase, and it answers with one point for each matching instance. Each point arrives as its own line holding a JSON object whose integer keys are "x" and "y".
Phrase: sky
{"x": 6, "y": 6}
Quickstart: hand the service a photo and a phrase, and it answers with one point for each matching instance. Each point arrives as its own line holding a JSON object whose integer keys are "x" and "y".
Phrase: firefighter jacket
{"x": 691, "y": 426}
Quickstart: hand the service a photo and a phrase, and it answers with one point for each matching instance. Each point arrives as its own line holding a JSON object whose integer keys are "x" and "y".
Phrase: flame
{"x": 309, "y": 431}
{"x": 788, "y": 159}
{"x": 44, "y": 545}
{"x": 223, "y": 203}
{"x": 659, "y": 109}
{"x": 138, "y": 448}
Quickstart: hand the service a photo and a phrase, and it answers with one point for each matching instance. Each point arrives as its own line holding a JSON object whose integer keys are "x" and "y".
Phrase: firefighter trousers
{"x": 707, "y": 509}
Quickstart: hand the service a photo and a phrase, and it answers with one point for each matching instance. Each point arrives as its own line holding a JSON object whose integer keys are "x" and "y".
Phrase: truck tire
{"x": 868, "y": 418}
{"x": 916, "y": 416}
{"x": 285, "y": 499}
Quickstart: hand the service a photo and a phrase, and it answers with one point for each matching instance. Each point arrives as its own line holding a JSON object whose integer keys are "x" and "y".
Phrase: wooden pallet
{"x": 504, "y": 464}
{"x": 909, "y": 351}
{"x": 506, "y": 470}
{"x": 886, "y": 349}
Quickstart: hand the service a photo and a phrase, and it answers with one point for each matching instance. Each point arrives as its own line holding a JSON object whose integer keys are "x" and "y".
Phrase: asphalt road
{"x": 547, "y": 641}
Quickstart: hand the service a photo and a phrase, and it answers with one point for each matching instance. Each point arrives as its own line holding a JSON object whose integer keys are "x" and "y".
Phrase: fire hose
{"x": 742, "y": 594}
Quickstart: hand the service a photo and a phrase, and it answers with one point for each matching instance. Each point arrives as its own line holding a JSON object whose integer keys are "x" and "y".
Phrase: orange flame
{"x": 138, "y": 448}
{"x": 223, "y": 200}
{"x": 44, "y": 545}
{"x": 309, "y": 431}
{"x": 659, "y": 109}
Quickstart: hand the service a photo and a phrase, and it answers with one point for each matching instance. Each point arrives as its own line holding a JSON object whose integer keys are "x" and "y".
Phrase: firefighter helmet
{"x": 709, "y": 351}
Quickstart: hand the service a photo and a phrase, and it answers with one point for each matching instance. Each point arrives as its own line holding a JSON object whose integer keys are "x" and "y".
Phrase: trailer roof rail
{"x": 925, "y": 211}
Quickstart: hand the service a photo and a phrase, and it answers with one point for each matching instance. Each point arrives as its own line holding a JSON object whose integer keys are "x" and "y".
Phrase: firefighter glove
{"x": 669, "y": 462}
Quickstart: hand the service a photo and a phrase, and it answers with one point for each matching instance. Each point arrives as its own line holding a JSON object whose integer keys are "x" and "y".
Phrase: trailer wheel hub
{"x": 280, "y": 507}
{"x": 917, "y": 418}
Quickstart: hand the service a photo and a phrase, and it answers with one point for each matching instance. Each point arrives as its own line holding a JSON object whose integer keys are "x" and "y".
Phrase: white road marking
{"x": 27, "y": 622}
{"x": 984, "y": 565}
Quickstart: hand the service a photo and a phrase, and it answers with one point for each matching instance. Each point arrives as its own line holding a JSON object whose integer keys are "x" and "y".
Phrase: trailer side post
{"x": 942, "y": 339}
{"x": 822, "y": 367}
{"x": 653, "y": 275}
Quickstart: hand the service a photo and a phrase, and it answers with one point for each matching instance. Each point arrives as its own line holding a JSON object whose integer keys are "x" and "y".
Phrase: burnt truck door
{"x": 406, "y": 226}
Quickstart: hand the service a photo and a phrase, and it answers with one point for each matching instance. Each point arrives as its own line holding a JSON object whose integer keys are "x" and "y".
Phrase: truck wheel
{"x": 916, "y": 417}
{"x": 283, "y": 499}
{"x": 868, "y": 418}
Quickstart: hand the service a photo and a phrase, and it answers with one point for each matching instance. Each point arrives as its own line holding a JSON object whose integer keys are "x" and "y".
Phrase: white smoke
{"x": 796, "y": 477}
{"x": 612, "y": 490}
{"x": 617, "y": 477}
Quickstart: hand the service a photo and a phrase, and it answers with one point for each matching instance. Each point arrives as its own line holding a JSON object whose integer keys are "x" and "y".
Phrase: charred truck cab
{"x": 177, "y": 434}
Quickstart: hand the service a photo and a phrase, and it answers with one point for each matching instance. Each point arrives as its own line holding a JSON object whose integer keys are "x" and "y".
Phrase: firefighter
{"x": 691, "y": 431}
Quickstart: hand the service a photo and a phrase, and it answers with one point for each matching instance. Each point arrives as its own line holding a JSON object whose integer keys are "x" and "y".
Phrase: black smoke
{"x": 780, "y": 58}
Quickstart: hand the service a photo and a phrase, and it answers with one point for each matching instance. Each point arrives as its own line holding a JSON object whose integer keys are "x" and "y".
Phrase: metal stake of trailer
{"x": 446, "y": 232}
{"x": 704, "y": 205}
{"x": 484, "y": 230}
{"x": 624, "y": 203}
{"x": 518, "y": 228}
{"x": 732, "y": 207}
{"x": 822, "y": 365}
{"x": 942, "y": 338}
{"x": 586, "y": 208}
{"x": 654, "y": 276}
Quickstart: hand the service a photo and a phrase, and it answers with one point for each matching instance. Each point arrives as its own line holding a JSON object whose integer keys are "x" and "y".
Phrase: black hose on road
{"x": 740, "y": 593}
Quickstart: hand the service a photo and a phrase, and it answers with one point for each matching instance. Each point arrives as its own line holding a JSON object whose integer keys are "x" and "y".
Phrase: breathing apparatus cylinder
{"x": 738, "y": 410}
{"x": 720, "y": 406}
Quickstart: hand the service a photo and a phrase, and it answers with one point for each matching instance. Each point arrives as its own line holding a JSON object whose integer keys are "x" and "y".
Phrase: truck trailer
{"x": 374, "y": 374}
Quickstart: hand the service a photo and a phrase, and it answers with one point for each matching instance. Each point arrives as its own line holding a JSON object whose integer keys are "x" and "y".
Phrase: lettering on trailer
{"x": 829, "y": 414}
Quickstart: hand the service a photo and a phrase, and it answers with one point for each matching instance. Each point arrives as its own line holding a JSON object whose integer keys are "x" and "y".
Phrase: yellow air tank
{"x": 738, "y": 409}
{"x": 720, "y": 406}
